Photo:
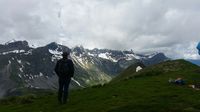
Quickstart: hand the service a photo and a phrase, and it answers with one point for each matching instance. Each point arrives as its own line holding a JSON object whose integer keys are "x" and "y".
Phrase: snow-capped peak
{"x": 10, "y": 41}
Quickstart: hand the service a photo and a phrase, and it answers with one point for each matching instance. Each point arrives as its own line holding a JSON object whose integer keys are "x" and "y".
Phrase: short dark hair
{"x": 65, "y": 54}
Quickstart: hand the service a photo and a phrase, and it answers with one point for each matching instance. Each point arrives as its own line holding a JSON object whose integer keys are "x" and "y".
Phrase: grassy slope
{"x": 146, "y": 91}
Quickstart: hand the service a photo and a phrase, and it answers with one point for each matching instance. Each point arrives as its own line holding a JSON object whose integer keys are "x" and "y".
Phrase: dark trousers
{"x": 63, "y": 89}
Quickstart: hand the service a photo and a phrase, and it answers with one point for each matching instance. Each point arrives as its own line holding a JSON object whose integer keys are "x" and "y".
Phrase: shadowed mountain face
{"x": 25, "y": 67}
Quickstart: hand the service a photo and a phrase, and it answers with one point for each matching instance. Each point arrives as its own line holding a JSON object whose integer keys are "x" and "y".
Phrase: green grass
{"x": 139, "y": 92}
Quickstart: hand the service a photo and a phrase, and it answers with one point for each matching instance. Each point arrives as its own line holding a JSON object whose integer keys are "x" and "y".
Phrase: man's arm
{"x": 71, "y": 68}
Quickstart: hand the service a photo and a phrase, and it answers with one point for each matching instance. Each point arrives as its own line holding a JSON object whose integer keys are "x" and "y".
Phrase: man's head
{"x": 65, "y": 54}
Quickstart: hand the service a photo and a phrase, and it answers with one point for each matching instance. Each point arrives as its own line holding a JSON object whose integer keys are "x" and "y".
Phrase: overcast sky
{"x": 169, "y": 26}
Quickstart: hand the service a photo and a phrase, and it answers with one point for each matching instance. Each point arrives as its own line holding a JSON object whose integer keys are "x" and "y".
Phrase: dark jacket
{"x": 71, "y": 68}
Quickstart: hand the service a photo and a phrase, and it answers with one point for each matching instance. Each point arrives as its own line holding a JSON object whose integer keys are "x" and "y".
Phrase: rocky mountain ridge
{"x": 25, "y": 67}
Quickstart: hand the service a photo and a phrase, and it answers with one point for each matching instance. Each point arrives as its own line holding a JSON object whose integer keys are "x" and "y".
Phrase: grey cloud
{"x": 143, "y": 25}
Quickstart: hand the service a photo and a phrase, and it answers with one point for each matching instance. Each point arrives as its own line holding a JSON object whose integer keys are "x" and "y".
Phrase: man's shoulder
{"x": 69, "y": 60}
{"x": 60, "y": 61}
{"x": 64, "y": 60}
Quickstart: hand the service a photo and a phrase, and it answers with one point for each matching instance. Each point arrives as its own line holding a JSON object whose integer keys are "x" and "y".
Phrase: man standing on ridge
{"x": 65, "y": 70}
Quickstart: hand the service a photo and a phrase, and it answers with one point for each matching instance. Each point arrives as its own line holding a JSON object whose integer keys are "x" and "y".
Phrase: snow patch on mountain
{"x": 14, "y": 51}
{"x": 107, "y": 56}
{"x": 29, "y": 52}
{"x": 93, "y": 55}
{"x": 55, "y": 52}
{"x": 21, "y": 69}
{"x": 41, "y": 74}
{"x": 28, "y": 63}
{"x": 56, "y": 55}
{"x": 19, "y": 61}
{"x": 132, "y": 56}
{"x": 19, "y": 75}
{"x": 151, "y": 55}
{"x": 77, "y": 82}
{"x": 104, "y": 55}
{"x": 81, "y": 61}
{"x": 10, "y": 41}
{"x": 138, "y": 68}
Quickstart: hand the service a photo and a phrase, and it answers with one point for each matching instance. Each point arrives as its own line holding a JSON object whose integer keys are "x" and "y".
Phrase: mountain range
{"x": 148, "y": 90}
{"x": 23, "y": 66}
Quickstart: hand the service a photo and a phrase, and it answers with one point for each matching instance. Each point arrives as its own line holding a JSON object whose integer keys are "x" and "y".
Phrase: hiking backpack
{"x": 64, "y": 68}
